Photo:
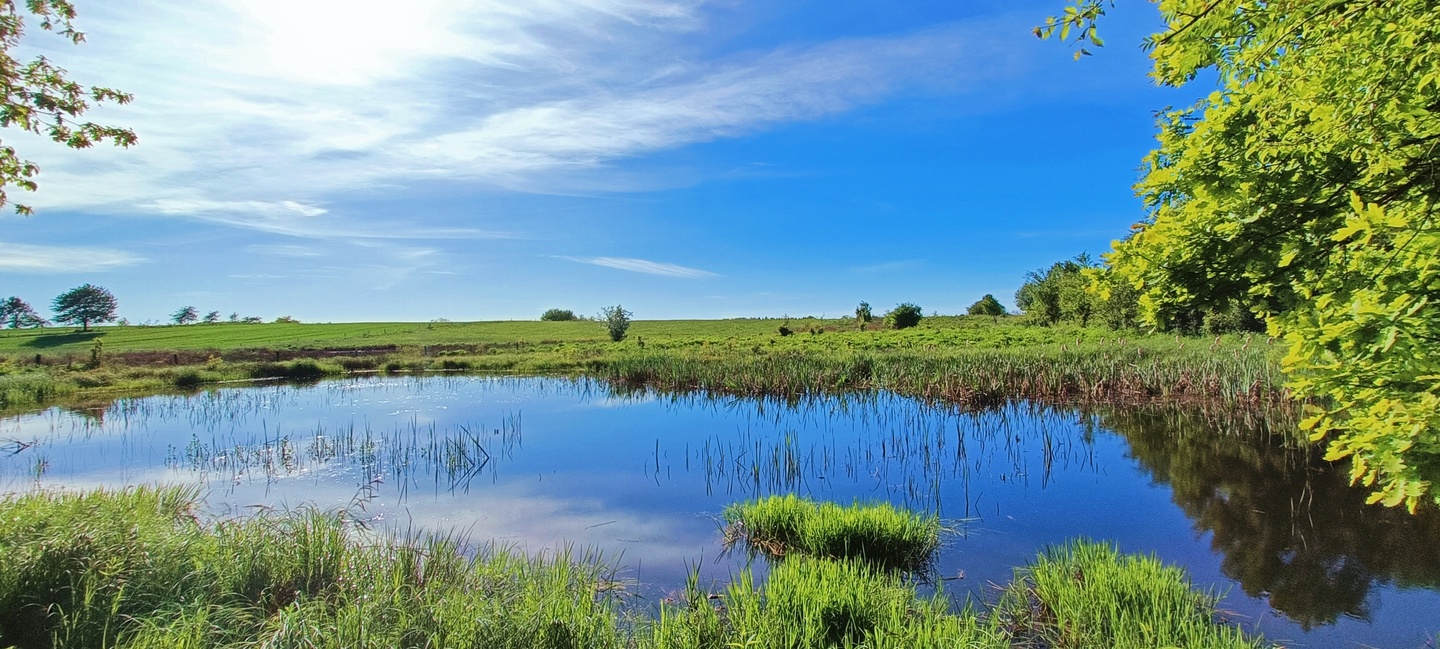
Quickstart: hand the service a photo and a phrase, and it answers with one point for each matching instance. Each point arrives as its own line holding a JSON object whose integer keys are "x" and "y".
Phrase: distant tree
{"x": 616, "y": 320}
{"x": 285, "y": 319}
{"x": 17, "y": 314}
{"x": 862, "y": 313}
{"x": 211, "y": 317}
{"x": 83, "y": 305}
{"x": 988, "y": 305}
{"x": 558, "y": 315}
{"x": 234, "y": 317}
{"x": 904, "y": 316}
{"x": 185, "y": 315}
{"x": 251, "y": 319}
{"x": 1059, "y": 293}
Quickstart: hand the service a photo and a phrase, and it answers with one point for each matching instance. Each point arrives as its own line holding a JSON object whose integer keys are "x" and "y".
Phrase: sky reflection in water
{"x": 541, "y": 463}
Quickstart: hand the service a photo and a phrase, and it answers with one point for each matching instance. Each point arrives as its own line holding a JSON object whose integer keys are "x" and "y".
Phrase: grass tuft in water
{"x": 1086, "y": 594}
{"x": 878, "y": 533}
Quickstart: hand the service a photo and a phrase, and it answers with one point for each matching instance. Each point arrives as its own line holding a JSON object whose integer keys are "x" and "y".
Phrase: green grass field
{"x": 58, "y": 340}
{"x": 973, "y": 360}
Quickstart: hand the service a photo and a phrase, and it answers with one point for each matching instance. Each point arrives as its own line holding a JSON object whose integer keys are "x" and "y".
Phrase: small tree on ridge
{"x": 616, "y": 320}
{"x": 185, "y": 315}
{"x": 83, "y": 305}
{"x": 988, "y": 305}
{"x": 17, "y": 313}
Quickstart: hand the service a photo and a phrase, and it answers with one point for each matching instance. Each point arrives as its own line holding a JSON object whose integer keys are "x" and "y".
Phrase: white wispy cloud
{"x": 889, "y": 266}
{"x": 278, "y": 108}
{"x": 25, "y": 258}
{"x": 284, "y": 250}
{"x": 641, "y": 266}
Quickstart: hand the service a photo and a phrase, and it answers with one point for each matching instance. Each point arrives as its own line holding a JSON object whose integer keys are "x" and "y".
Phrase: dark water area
{"x": 539, "y": 464}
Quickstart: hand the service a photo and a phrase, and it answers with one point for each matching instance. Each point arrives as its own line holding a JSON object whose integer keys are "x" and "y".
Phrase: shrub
{"x": 616, "y": 320}
{"x": 904, "y": 316}
{"x": 558, "y": 315}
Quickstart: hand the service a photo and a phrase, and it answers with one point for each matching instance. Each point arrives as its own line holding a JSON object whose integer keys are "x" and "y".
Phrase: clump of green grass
{"x": 810, "y": 602}
{"x": 1087, "y": 594}
{"x": 878, "y": 533}
{"x": 298, "y": 370}
{"x": 136, "y": 568}
{"x": 23, "y": 388}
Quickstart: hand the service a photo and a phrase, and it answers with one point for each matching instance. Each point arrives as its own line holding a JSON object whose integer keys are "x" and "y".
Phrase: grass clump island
{"x": 878, "y": 534}
{"x": 140, "y": 567}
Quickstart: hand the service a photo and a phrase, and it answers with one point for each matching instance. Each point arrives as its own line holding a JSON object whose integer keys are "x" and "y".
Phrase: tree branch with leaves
{"x": 38, "y": 97}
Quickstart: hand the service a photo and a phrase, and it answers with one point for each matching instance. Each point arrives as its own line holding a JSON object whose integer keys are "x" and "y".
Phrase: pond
{"x": 539, "y": 463}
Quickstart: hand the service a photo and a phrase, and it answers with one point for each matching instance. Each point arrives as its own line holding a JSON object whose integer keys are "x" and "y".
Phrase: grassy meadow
{"x": 973, "y": 360}
{"x": 140, "y": 568}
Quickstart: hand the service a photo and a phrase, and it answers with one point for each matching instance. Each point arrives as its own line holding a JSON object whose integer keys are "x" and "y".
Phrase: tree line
{"x": 88, "y": 304}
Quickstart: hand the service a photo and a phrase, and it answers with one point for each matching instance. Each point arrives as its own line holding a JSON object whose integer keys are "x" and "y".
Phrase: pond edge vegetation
{"x": 140, "y": 567}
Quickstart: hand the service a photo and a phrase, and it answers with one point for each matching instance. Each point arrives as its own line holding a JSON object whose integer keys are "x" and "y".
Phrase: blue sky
{"x": 347, "y": 160}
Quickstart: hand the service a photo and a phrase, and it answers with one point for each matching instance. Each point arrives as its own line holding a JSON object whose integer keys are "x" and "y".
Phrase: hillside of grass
{"x": 973, "y": 360}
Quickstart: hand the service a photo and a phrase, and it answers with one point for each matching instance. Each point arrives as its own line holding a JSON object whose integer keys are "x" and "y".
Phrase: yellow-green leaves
{"x": 1306, "y": 184}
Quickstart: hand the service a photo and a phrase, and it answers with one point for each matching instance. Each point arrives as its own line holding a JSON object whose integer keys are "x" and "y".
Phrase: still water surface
{"x": 541, "y": 463}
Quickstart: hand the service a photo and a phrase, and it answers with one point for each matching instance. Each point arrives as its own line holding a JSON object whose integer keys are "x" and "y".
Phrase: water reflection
{"x": 1289, "y": 525}
{"x": 543, "y": 462}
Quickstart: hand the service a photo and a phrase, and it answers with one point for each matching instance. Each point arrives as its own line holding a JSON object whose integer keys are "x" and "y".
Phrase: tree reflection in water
{"x": 1290, "y": 526}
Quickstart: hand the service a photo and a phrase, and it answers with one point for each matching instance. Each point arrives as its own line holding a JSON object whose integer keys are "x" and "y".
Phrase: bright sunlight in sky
{"x": 342, "y": 160}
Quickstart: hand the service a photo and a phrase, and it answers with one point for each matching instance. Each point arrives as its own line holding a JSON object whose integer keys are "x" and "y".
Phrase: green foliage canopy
{"x": 16, "y": 313}
{"x": 558, "y": 315}
{"x": 904, "y": 316}
{"x": 987, "y": 305}
{"x": 185, "y": 315}
{"x": 616, "y": 321}
{"x": 1306, "y": 182}
{"x": 37, "y": 96}
{"x": 83, "y": 305}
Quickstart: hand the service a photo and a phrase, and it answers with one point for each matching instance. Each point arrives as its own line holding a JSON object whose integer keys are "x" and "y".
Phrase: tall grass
{"x": 25, "y": 388}
{"x": 877, "y": 534}
{"x": 809, "y": 602}
{"x": 139, "y": 569}
{"x": 1089, "y": 595}
{"x": 1089, "y": 373}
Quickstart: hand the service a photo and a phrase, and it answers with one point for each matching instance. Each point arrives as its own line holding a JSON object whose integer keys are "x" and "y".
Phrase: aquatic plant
{"x": 877, "y": 534}
{"x": 1086, "y": 594}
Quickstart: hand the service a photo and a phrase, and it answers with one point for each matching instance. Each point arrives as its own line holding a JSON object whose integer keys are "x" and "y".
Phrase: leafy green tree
{"x": 863, "y": 314}
{"x": 904, "y": 316}
{"x": 17, "y": 313}
{"x": 987, "y": 305}
{"x": 185, "y": 315}
{"x": 558, "y": 315}
{"x": 83, "y": 305}
{"x": 37, "y": 96}
{"x": 1306, "y": 185}
{"x": 1059, "y": 293}
{"x": 616, "y": 321}
{"x": 211, "y": 317}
